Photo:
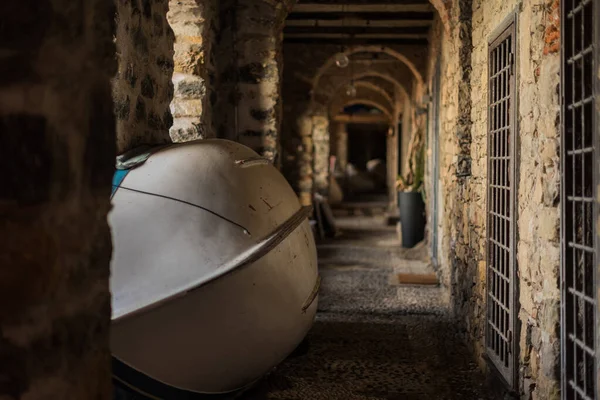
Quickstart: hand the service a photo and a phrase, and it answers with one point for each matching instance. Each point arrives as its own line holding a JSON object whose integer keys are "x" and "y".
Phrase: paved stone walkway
{"x": 373, "y": 339}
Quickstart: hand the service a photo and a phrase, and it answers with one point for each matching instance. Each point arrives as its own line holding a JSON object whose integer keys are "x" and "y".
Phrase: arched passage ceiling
{"x": 391, "y": 59}
{"x": 305, "y": 61}
{"x": 379, "y": 82}
{"x": 369, "y": 95}
{"x": 336, "y": 82}
{"x": 381, "y": 37}
{"x": 381, "y": 87}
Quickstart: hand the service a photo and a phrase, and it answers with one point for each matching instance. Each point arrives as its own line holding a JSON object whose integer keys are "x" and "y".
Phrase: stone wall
{"x": 58, "y": 145}
{"x": 304, "y": 158}
{"x": 249, "y": 59}
{"x": 195, "y": 24}
{"x": 142, "y": 88}
{"x": 436, "y": 35}
{"x": 339, "y": 144}
{"x": 538, "y": 200}
{"x": 391, "y": 161}
{"x": 464, "y": 229}
{"x": 320, "y": 134}
{"x": 406, "y": 133}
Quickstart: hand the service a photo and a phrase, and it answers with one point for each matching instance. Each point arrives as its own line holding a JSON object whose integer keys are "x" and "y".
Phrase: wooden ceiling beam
{"x": 365, "y": 16}
{"x": 404, "y": 23}
{"x": 356, "y": 42}
{"x": 365, "y": 36}
{"x": 351, "y": 30}
{"x": 407, "y": 5}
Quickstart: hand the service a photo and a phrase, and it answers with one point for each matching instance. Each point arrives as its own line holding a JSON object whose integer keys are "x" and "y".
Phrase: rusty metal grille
{"x": 500, "y": 203}
{"x": 579, "y": 180}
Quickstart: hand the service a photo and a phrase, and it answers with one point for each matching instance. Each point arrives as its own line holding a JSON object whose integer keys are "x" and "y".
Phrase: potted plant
{"x": 411, "y": 198}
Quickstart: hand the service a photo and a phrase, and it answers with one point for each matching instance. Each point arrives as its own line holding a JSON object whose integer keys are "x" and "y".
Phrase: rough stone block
{"x": 186, "y": 129}
{"x": 186, "y": 108}
{"x": 187, "y": 86}
{"x": 548, "y": 223}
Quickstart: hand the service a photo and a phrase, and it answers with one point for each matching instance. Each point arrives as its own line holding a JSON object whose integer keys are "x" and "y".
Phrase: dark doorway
{"x": 367, "y": 153}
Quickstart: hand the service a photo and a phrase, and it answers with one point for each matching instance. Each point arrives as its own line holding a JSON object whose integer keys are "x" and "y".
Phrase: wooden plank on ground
{"x": 416, "y": 279}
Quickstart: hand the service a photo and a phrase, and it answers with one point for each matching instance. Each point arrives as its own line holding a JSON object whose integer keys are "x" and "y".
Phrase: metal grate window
{"x": 500, "y": 203}
{"x": 579, "y": 301}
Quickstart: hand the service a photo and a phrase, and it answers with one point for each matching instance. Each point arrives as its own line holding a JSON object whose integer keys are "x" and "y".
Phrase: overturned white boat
{"x": 214, "y": 270}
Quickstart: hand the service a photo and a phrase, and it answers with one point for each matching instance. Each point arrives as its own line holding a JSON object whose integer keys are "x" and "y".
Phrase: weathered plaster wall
{"x": 463, "y": 138}
{"x": 142, "y": 88}
{"x": 57, "y": 131}
{"x": 195, "y": 24}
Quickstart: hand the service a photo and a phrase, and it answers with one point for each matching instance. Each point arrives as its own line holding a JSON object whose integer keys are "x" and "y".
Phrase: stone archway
{"x": 369, "y": 49}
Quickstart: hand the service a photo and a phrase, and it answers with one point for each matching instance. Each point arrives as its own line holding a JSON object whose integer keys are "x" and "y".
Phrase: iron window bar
{"x": 501, "y": 180}
{"x": 579, "y": 178}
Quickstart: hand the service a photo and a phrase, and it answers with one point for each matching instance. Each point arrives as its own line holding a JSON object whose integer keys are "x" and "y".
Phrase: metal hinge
{"x": 511, "y": 61}
{"x": 509, "y": 338}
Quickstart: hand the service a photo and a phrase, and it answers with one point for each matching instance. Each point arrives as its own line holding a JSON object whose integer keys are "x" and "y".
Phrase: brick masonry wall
{"x": 58, "y": 145}
{"x": 142, "y": 88}
{"x": 464, "y": 231}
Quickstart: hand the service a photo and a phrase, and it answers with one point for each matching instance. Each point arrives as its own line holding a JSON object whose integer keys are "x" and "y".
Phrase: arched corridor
{"x": 442, "y": 152}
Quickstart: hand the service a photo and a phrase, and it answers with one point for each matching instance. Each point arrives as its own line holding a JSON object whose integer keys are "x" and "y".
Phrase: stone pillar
{"x": 142, "y": 89}
{"x": 320, "y": 132}
{"x": 407, "y": 132}
{"x": 392, "y": 166}
{"x": 57, "y": 131}
{"x": 339, "y": 144}
{"x": 194, "y": 23}
{"x": 305, "y": 159}
{"x": 249, "y": 56}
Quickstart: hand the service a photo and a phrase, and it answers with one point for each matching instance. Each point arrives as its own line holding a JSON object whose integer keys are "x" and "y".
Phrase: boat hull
{"x": 223, "y": 333}
{"x": 228, "y": 333}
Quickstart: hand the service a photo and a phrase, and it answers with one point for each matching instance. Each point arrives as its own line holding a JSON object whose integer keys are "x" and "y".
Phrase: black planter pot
{"x": 412, "y": 218}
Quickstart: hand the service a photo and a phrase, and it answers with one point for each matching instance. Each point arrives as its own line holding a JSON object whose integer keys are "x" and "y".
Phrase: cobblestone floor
{"x": 373, "y": 339}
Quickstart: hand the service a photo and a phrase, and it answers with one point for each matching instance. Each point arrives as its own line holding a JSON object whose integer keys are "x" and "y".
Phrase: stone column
{"x": 194, "y": 23}
{"x": 305, "y": 159}
{"x": 339, "y": 144}
{"x": 392, "y": 166}
{"x": 57, "y": 131}
{"x": 406, "y": 133}
{"x": 142, "y": 88}
{"x": 320, "y": 132}
{"x": 249, "y": 57}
